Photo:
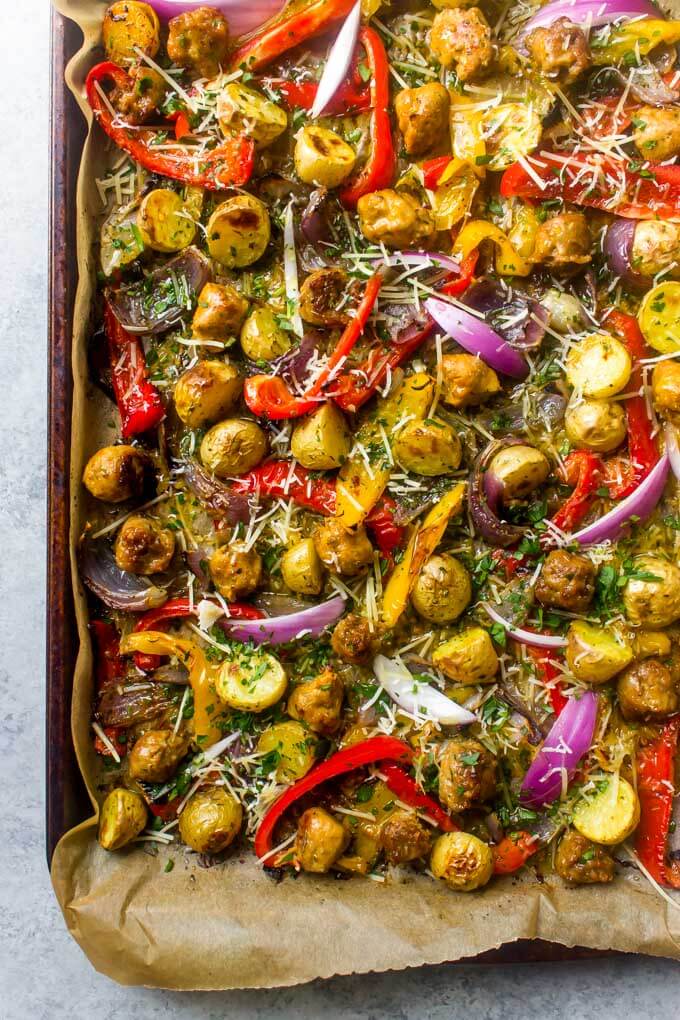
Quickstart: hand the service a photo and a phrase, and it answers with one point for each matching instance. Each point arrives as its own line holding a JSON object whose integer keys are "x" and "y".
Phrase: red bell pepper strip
{"x": 600, "y": 182}
{"x": 288, "y": 30}
{"x": 406, "y": 789}
{"x": 178, "y": 609}
{"x": 318, "y": 494}
{"x": 114, "y": 734}
{"x": 433, "y": 169}
{"x": 643, "y": 452}
{"x": 267, "y": 396}
{"x": 347, "y": 99}
{"x": 353, "y": 388}
{"x": 182, "y": 125}
{"x": 166, "y": 812}
{"x": 368, "y": 752}
{"x": 110, "y": 665}
{"x": 513, "y": 852}
{"x": 584, "y": 472}
{"x": 655, "y": 775}
{"x": 379, "y": 169}
{"x": 229, "y": 165}
{"x": 139, "y": 402}
{"x": 550, "y": 676}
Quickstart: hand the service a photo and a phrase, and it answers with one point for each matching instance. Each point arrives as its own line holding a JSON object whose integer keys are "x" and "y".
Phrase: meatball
{"x": 211, "y": 820}
{"x": 403, "y": 838}
{"x": 320, "y": 840}
{"x": 116, "y": 473}
{"x": 598, "y": 425}
{"x": 220, "y": 312}
{"x": 144, "y": 547}
{"x": 141, "y": 96}
{"x": 467, "y": 774}
{"x": 666, "y": 386}
{"x": 560, "y": 52}
{"x": 648, "y": 690}
{"x": 519, "y": 469}
{"x": 199, "y": 41}
{"x": 563, "y": 240}
{"x": 656, "y": 132}
{"x": 322, "y": 297}
{"x": 341, "y": 550}
{"x": 442, "y": 590}
{"x": 395, "y": 219}
{"x": 656, "y": 247}
{"x": 462, "y": 39}
{"x": 207, "y": 392}
{"x": 423, "y": 117}
{"x": 236, "y": 571}
{"x": 652, "y": 598}
{"x": 233, "y": 447}
{"x": 581, "y": 862}
{"x": 466, "y": 380}
{"x": 156, "y": 755}
{"x": 352, "y": 640}
{"x": 318, "y": 702}
{"x": 462, "y": 860}
{"x": 567, "y": 581}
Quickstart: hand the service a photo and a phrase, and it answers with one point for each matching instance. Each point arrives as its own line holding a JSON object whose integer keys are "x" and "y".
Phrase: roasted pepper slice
{"x": 288, "y": 29}
{"x": 139, "y": 402}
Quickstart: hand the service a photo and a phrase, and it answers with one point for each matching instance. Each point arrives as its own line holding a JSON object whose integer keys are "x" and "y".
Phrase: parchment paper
{"x": 231, "y": 926}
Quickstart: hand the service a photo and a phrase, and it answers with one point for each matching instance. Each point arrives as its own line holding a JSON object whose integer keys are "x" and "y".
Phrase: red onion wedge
{"x": 279, "y": 629}
{"x": 476, "y": 337}
{"x": 484, "y": 498}
{"x": 618, "y": 250}
{"x": 339, "y": 59}
{"x": 592, "y": 12}
{"x": 525, "y": 637}
{"x": 635, "y": 508}
{"x": 117, "y": 588}
{"x": 418, "y": 698}
{"x": 672, "y": 449}
{"x": 242, "y": 17}
{"x": 568, "y": 741}
{"x": 428, "y": 259}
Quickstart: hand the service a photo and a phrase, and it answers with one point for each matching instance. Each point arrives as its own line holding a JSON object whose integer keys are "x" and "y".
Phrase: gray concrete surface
{"x": 43, "y": 975}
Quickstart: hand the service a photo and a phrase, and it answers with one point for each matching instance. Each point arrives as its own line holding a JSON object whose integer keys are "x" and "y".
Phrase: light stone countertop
{"x": 43, "y": 975}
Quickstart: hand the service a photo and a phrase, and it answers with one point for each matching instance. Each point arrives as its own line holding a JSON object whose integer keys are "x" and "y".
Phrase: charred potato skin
{"x": 428, "y": 448}
{"x": 239, "y": 231}
{"x": 462, "y": 860}
{"x": 210, "y": 821}
{"x": 115, "y": 474}
{"x": 122, "y": 818}
{"x": 233, "y": 447}
{"x": 155, "y": 757}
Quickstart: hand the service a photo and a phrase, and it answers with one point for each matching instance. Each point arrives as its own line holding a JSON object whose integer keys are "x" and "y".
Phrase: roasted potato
{"x": 163, "y": 223}
{"x": 611, "y": 816}
{"x": 666, "y": 388}
{"x": 220, "y": 312}
{"x": 211, "y": 820}
{"x": 262, "y": 339}
{"x": 594, "y": 654}
{"x": 469, "y": 657}
{"x": 320, "y": 840}
{"x": 128, "y": 26}
{"x": 428, "y": 448}
{"x": 143, "y": 546}
{"x": 242, "y": 111}
{"x": 511, "y": 130}
{"x": 566, "y": 311}
{"x": 236, "y": 571}
{"x": 652, "y": 597}
{"x": 251, "y": 680}
{"x": 207, "y": 392}
{"x": 658, "y": 317}
{"x": 291, "y": 747}
{"x": 322, "y": 157}
{"x": 598, "y": 366}
{"x": 301, "y": 568}
{"x": 156, "y": 755}
{"x": 116, "y": 473}
{"x": 122, "y": 818}
{"x": 598, "y": 425}
{"x": 233, "y": 447}
{"x": 322, "y": 440}
{"x": 443, "y": 589}
{"x": 462, "y": 861}
{"x": 238, "y": 231}
{"x": 520, "y": 470}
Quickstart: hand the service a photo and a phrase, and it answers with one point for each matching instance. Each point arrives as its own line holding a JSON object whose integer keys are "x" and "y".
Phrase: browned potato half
{"x": 129, "y": 25}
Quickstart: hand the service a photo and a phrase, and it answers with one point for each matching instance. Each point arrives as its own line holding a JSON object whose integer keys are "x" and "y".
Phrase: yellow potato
{"x": 301, "y": 568}
{"x": 129, "y": 24}
{"x": 238, "y": 231}
{"x": 659, "y": 317}
{"x": 243, "y": 111}
{"x": 162, "y": 222}
{"x": 262, "y": 339}
{"x": 322, "y": 157}
{"x": 611, "y": 816}
{"x": 593, "y": 654}
{"x": 511, "y": 130}
{"x": 292, "y": 745}
{"x": 323, "y": 440}
{"x": 469, "y": 657}
{"x": 462, "y": 860}
{"x": 251, "y": 680}
{"x": 120, "y": 240}
{"x": 122, "y": 818}
{"x": 598, "y": 366}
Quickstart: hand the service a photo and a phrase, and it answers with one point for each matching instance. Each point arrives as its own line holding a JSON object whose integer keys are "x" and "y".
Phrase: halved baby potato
{"x": 659, "y": 317}
{"x": 163, "y": 221}
{"x": 322, "y": 440}
{"x": 594, "y": 654}
{"x": 251, "y": 680}
{"x": 120, "y": 240}
{"x": 129, "y": 24}
{"x": 293, "y": 746}
{"x": 243, "y": 111}
{"x": 611, "y": 816}
{"x": 511, "y": 130}
{"x": 598, "y": 366}
{"x": 322, "y": 157}
{"x": 239, "y": 231}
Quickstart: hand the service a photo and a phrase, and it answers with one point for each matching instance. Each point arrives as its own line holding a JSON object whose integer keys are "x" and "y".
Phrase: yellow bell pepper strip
{"x": 208, "y": 709}
{"x": 364, "y": 475}
{"x": 508, "y": 261}
{"x": 467, "y": 139}
{"x": 422, "y": 545}
{"x": 636, "y": 37}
